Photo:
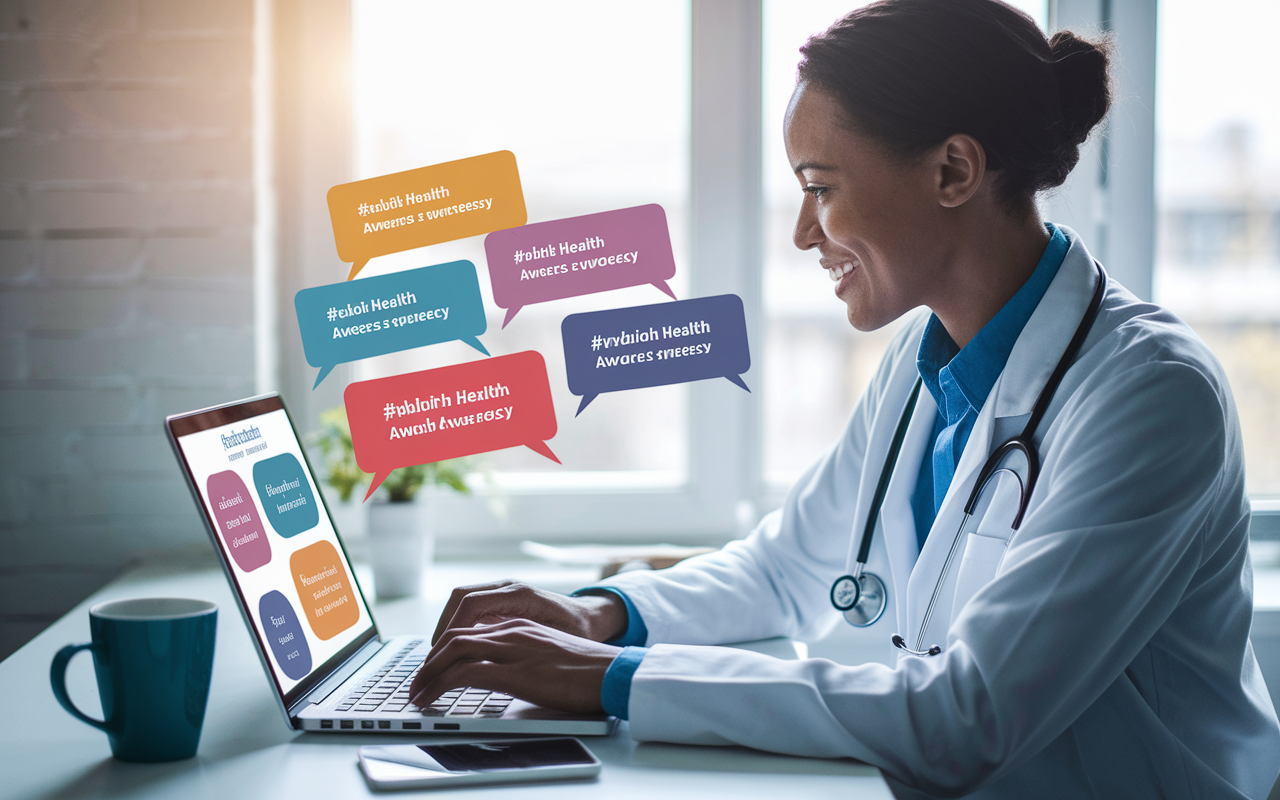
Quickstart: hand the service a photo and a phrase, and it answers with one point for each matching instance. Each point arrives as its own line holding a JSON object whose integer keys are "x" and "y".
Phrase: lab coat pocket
{"x": 982, "y": 557}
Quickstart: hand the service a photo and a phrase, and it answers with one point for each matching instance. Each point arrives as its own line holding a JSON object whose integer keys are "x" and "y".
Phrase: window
{"x": 1218, "y": 202}
{"x": 593, "y": 99}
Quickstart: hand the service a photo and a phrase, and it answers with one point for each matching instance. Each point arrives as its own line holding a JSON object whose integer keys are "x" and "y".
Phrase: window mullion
{"x": 727, "y": 243}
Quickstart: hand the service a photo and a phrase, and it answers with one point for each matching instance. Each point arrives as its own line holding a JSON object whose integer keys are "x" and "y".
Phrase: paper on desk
{"x": 596, "y": 554}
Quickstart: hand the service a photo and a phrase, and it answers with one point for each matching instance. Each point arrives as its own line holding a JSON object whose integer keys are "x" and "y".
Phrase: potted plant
{"x": 339, "y": 473}
{"x": 400, "y": 539}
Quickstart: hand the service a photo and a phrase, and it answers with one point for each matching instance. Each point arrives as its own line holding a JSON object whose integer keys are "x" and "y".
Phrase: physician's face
{"x": 867, "y": 212}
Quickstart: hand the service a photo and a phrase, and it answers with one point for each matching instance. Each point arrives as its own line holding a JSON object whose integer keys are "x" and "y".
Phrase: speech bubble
{"x": 450, "y": 412}
{"x": 352, "y": 320}
{"x": 425, "y": 206}
{"x": 324, "y": 589}
{"x": 284, "y": 634}
{"x": 655, "y": 345}
{"x": 238, "y": 520}
{"x": 285, "y": 493}
{"x": 579, "y": 255}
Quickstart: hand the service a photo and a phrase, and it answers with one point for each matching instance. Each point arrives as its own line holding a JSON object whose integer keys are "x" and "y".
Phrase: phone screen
{"x": 490, "y": 756}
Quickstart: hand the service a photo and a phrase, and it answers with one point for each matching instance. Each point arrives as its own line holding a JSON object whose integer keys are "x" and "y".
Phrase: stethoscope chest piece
{"x": 862, "y": 599}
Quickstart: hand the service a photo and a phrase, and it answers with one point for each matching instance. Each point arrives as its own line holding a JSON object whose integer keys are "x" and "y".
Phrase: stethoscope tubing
{"x": 847, "y": 592}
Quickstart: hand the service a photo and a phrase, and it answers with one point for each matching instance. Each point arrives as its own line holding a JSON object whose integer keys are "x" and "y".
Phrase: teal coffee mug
{"x": 153, "y": 658}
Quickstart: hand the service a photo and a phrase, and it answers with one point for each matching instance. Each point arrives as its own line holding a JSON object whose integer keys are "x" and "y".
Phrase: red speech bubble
{"x": 450, "y": 412}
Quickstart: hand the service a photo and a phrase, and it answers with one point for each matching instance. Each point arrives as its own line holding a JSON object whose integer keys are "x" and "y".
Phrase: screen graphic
{"x": 238, "y": 521}
{"x": 284, "y": 553}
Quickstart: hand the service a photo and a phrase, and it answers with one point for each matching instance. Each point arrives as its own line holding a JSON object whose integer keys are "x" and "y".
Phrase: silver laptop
{"x": 300, "y": 597}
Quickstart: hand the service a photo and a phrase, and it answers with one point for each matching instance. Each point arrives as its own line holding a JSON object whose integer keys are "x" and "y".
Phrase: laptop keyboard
{"x": 387, "y": 691}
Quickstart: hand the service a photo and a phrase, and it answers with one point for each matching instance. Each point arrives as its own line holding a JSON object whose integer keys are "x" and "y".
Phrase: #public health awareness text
{"x": 433, "y": 402}
{"x": 625, "y": 339}
{"x": 566, "y": 248}
{"x": 382, "y": 304}
{"x": 413, "y": 198}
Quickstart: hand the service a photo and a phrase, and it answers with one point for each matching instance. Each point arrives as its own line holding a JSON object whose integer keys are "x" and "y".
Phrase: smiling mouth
{"x": 837, "y": 270}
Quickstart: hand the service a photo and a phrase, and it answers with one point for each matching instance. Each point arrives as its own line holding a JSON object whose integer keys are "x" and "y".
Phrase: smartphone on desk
{"x": 440, "y": 766}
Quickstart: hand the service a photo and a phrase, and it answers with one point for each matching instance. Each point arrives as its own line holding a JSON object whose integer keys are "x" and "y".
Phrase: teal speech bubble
{"x": 285, "y": 493}
{"x": 369, "y": 317}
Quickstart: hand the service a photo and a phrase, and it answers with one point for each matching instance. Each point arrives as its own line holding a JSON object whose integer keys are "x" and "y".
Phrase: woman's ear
{"x": 959, "y": 164}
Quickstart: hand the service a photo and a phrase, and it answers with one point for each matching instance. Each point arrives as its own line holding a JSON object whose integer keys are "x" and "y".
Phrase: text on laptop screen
{"x": 280, "y": 546}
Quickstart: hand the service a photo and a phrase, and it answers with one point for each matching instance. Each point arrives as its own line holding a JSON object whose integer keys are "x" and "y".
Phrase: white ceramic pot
{"x": 400, "y": 548}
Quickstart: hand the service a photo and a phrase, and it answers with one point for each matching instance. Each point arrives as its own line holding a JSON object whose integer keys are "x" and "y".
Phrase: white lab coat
{"x": 1101, "y": 650}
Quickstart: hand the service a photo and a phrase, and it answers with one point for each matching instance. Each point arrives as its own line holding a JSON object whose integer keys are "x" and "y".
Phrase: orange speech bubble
{"x": 425, "y": 206}
{"x": 328, "y": 601}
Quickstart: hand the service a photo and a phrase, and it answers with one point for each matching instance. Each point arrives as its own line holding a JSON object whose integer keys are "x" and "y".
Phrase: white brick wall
{"x": 125, "y": 278}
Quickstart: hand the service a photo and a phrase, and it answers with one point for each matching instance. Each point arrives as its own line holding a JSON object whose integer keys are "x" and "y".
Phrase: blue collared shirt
{"x": 961, "y": 379}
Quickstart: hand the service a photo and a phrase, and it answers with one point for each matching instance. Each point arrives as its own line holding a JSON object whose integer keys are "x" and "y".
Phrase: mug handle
{"x": 58, "y": 677}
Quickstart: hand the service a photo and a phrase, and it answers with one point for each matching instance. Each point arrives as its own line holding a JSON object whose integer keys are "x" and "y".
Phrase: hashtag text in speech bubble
{"x": 655, "y": 345}
{"x": 579, "y": 255}
{"x": 450, "y": 412}
{"x": 370, "y": 317}
{"x": 425, "y": 206}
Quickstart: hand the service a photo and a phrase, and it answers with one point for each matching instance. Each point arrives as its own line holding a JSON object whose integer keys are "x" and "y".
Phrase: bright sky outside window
{"x": 593, "y": 99}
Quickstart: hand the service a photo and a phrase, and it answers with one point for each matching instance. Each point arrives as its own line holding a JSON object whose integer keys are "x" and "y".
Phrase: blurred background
{"x": 163, "y": 169}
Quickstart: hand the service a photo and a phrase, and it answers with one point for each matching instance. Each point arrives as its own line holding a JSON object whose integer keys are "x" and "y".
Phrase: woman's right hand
{"x": 597, "y": 617}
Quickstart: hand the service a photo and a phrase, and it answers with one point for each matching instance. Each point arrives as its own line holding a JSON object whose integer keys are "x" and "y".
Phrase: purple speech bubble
{"x": 579, "y": 255}
{"x": 238, "y": 520}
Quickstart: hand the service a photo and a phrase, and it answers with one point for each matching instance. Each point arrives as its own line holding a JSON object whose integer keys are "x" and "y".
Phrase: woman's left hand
{"x": 534, "y": 662}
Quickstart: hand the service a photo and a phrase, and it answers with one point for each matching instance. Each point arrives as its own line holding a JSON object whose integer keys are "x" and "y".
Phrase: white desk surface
{"x": 246, "y": 750}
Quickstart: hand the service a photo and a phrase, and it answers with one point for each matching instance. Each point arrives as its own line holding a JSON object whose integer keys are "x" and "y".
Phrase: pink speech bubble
{"x": 238, "y": 520}
{"x": 579, "y": 255}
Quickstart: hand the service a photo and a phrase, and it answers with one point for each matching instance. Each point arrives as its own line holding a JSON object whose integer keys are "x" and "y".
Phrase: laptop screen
{"x": 282, "y": 553}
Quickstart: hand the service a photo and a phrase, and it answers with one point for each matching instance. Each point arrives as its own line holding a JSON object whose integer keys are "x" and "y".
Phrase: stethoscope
{"x": 861, "y": 596}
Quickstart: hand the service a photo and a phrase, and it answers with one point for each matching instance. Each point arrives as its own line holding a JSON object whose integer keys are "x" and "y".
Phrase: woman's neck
{"x": 993, "y": 256}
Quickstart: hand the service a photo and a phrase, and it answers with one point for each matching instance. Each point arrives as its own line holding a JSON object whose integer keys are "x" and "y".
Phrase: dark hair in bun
{"x": 910, "y": 73}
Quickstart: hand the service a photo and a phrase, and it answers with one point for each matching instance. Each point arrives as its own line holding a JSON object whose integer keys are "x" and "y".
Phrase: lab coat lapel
{"x": 1030, "y": 363}
{"x": 900, "y": 540}
{"x": 928, "y": 567}
{"x": 882, "y": 430}
{"x": 1047, "y": 333}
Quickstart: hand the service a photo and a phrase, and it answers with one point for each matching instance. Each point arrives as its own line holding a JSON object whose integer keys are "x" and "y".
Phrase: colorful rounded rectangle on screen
{"x": 285, "y": 493}
{"x": 656, "y": 345}
{"x": 449, "y": 412}
{"x": 348, "y": 321}
{"x": 424, "y": 206}
{"x": 328, "y": 601}
{"x": 579, "y": 255}
{"x": 238, "y": 521}
{"x": 284, "y": 634}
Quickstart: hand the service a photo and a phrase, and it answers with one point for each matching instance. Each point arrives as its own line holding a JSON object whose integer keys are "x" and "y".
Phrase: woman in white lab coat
{"x": 1100, "y": 647}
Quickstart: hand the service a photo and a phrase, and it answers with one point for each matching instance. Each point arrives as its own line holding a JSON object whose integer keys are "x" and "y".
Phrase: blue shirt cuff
{"x": 615, "y": 692}
{"x": 636, "y": 632}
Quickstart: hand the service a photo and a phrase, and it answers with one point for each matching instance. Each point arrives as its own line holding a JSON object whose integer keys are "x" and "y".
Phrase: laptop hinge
{"x": 322, "y": 691}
